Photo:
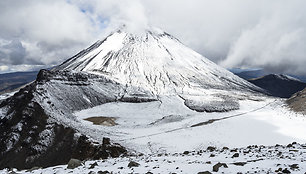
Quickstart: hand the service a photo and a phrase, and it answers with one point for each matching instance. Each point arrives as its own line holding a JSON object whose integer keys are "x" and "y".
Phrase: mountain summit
{"x": 155, "y": 61}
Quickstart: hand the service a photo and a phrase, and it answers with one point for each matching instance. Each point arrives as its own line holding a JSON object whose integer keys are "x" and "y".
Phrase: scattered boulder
{"x": 206, "y": 172}
{"x": 233, "y": 150}
{"x": 235, "y": 155}
{"x": 286, "y": 171}
{"x": 294, "y": 166}
{"x": 103, "y": 172}
{"x": 106, "y": 141}
{"x": 74, "y": 163}
{"x": 278, "y": 170}
{"x": 212, "y": 155}
{"x": 239, "y": 163}
{"x": 218, "y": 165}
{"x": 211, "y": 148}
{"x": 133, "y": 164}
{"x": 93, "y": 165}
{"x": 289, "y": 145}
{"x": 225, "y": 148}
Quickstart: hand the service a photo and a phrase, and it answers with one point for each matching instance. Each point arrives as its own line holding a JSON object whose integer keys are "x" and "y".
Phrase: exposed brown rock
{"x": 297, "y": 102}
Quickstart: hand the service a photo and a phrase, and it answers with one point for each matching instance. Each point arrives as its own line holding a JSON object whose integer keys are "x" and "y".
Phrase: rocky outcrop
{"x": 297, "y": 101}
{"x": 32, "y": 136}
{"x": 212, "y": 106}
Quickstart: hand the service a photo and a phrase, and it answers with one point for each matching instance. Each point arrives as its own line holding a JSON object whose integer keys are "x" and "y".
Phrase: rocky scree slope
{"x": 297, "y": 101}
{"x": 252, "y": 159}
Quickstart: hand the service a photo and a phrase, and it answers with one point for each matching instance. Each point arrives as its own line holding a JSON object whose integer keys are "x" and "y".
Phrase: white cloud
{"x": 267, "y": 34}
{"x": 49, "y": 30}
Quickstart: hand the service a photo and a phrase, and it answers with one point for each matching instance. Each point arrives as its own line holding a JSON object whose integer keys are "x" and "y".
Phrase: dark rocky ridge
{"x": 279, "y": 85}
{"x": 31, "y": 136}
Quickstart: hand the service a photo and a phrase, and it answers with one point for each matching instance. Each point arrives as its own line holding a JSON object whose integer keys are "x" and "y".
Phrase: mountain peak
{"x": 279, "y": 85}
{"x": 278, "y": 76}
{"x": 143, "y": 34}
{"x": 155, "y": 61}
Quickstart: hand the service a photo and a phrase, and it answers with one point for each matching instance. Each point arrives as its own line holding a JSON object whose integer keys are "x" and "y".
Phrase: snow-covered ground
{"x": 252, "y": 159}
{"x": 162, "y": 141}
{"x": 169, "y": 126}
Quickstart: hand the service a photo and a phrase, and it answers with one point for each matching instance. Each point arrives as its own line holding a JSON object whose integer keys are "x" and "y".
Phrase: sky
{"x": 268, "y": 34}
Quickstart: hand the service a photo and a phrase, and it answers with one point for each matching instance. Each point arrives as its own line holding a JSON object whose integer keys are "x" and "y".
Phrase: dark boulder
{"x": 206, "y": 172}
{"x": 133, "y": 164}
{"x": 236, "y": 155}
{"x": 218, "y": 165}
{"x": 74, "y": 163}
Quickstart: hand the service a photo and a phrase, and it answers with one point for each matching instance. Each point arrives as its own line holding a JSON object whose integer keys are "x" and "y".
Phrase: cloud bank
{"x": 237, "y": 33}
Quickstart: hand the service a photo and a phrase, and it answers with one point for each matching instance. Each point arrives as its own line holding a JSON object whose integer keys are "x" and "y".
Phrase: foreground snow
{"x": 252, "y": 159}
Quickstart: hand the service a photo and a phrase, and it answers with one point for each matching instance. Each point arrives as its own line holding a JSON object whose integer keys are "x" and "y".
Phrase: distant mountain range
{"x": 12, "y": 81}
{"x": 279, "y": 85}
{"x": 255, "y": 73}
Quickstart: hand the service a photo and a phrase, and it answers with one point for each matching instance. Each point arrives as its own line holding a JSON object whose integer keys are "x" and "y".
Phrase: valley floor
{"x": 156, "y": 127}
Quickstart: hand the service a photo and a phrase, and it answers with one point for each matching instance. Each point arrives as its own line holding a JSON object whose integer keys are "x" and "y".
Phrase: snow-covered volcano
{"x": 155, "y": 62}
{"x": 130, "y": 85}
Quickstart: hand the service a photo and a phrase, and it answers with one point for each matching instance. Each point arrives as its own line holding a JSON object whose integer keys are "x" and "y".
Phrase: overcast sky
{"x": 269, "y": 34}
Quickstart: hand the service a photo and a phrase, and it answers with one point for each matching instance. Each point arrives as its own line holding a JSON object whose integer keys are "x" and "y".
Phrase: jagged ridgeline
{"x": 37, "y": 124}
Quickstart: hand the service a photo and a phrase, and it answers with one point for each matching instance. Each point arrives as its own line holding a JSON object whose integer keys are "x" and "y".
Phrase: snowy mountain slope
{"x": 156, "y": 64}
{"x": 154, "y": 61}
